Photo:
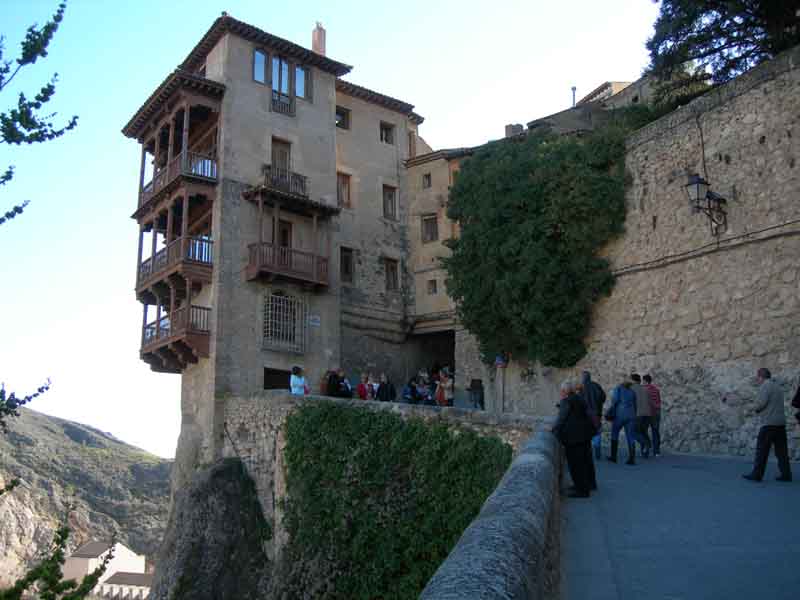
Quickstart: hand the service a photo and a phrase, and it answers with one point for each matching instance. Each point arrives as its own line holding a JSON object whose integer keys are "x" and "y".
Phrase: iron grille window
{"x": 430, "y": 229}
{"x": 285, "y": 322}
{"x": 392, "y": 275}
{"x": 389, "y": 202}
{"x": 343, "y": 190}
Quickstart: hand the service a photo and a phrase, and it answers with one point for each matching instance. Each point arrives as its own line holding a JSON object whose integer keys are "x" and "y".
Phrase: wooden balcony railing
{"x": 281, "y": 103}
{"x": 196, "y": 250}
{"x": 286, "y": 181}
{"x": 296, "y": 264}
{"x": 194, "y": 164}
{"x": 180, "y": 323}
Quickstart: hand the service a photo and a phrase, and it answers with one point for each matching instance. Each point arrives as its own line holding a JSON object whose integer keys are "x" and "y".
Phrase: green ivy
{"x": 376, "y": 503}
{"x": 533, "y": 212}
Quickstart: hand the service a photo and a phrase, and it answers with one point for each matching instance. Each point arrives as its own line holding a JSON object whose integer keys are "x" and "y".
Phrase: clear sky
{"x": 68, "y": 307}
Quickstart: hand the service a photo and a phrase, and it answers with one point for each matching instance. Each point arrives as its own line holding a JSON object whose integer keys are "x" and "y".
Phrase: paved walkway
{"x": 682, "y": 527}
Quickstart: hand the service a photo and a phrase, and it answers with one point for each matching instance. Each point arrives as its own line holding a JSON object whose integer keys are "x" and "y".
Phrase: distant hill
{"x": 112, "y": 485}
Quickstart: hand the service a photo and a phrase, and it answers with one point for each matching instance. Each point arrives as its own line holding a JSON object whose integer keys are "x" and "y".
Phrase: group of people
{"x": 431, "y": 389}
{"x": 636, "y": 408}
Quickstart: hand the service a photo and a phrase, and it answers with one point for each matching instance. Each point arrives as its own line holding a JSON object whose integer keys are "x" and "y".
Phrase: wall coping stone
{"x": 504, "y": 552}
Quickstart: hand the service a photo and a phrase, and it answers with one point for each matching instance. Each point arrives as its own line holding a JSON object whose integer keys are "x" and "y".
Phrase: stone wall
{"x": 253, "y": 431}
{"x": 511, "y": 551}
{"x": 698, "y": 313}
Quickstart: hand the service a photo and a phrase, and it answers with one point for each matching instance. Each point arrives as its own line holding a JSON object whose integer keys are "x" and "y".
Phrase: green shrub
{"x": 376, "y": 503}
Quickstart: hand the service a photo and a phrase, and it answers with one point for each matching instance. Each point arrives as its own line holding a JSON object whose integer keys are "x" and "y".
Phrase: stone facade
{"x": 702, "y": 314}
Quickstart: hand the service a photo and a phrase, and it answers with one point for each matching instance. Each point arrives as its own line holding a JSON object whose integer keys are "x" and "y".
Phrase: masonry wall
{"x": 253, "y": 432}
{"x": 701, "y": 314}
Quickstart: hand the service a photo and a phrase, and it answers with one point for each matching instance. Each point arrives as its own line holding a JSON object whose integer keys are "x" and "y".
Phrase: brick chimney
{"x": 318, "y": 39}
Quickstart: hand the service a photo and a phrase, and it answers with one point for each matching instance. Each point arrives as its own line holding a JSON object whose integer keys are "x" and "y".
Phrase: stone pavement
{"x": 682, "y": 527}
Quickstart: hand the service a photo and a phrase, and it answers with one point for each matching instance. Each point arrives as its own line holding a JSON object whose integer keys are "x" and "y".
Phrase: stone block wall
{"x": 699, "y": 313}
{"x": 253, "y": 430}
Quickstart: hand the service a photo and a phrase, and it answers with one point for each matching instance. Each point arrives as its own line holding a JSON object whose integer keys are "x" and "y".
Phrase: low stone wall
{"x": 253, "y": 432}
{"x": 511, "y": 550}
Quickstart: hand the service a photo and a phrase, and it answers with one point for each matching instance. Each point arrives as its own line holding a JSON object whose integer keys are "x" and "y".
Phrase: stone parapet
{"x": 511, "y": 550}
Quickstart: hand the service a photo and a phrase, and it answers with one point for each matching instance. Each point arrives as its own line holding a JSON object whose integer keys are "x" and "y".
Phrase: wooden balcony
{"x": 174, "y": 341}
{"x": 192, "y": 258}
{"x": 282, "y": 103}
{"x": 194, "y": 165}
{"x": 270, "y": 261}
{"x": 286, "y": 182}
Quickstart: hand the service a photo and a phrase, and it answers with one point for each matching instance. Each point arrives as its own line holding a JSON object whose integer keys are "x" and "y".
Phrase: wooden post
{"x": 185, "y": 226}
{"x": 144, "y": 321}
{"x": 171, "y": 300}
{"x": 158, "y": 316}
{"x": 141, "y": 167}
{"x": 156, "y": 152}
{"x": 170, "y": 221}
{"x": 139, "y": 254}
{"x": 155, "y": 236}
{"x": 315, "y": 247}
{"x": 188, "y": 299}
{"x": 260, "y": 220}
{"x": 185, "y": 139}
{"x": 171, "y": 139}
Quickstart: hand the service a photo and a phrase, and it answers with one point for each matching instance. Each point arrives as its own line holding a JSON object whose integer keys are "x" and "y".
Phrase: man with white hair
{"x": 575, "y": 429}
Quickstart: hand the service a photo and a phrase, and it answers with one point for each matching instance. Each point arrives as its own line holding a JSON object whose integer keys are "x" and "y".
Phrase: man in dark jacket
{"x": 574, "y": 429}
{"x": 595, "y": 397}
{"x": 386, "y": 390}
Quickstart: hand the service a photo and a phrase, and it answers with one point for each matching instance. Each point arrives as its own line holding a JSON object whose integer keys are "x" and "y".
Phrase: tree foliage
{"x": 533, "y": 212}
{"x": 719, "y": 39}
{"x": 26, "y": 122}
{"x": 376, "y": 503}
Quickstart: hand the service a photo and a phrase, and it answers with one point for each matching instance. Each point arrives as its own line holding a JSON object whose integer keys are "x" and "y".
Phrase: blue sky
{"x": 68, "y": 307}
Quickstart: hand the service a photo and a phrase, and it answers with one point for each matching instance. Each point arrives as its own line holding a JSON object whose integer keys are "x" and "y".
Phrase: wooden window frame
{"x": 393, "y": 216}
{"x": 343, "y": 278}
{"x": 389, "y": 127}
{"x": 427, "y": 237}
{"x": 267, "y": 67}
{"x": 307, "y": 83}
{"x": 346, "y": 115}
{"x": 432, "y": 287}
{"x": 391, "y": 267}
{"x": 427, "y": 181}
{"x": 340, "y": 201}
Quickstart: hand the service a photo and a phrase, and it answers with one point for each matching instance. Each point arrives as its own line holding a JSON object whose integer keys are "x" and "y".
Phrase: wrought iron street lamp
{"x": 703, "y": 200}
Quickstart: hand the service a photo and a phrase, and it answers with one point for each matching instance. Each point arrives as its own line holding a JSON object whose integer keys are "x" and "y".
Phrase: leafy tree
{"x": 696, "y": 40}
{"x": 533, "y": 213}
{"x": 25, "y": 122}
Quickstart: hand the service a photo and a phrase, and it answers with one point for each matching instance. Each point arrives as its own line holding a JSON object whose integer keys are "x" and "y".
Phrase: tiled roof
{"x": 447, "y": 154}
{"x": 177, "y": 79}
{"x": 362, "y": 93}
{"x": 227, "y": 24}
{"x": 91, "y": 550}
{"x": 125, "y": 578}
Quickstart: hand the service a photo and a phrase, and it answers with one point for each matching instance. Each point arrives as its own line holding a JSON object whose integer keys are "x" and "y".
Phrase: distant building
{"x": 131, "y": 586}
{"x": 125, "y": 563}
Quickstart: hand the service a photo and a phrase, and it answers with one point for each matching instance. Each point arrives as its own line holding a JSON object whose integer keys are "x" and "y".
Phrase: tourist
{"x": 622, "y": 413}
{"x": 386, "y": 390}
{"x": 446, "y": 384}
{"x": 373, "y": 386}
{"x": 655, "y": 404}
{"x": 363, "y": 389}
{"x": 574, "y": 429}
{"x": 410, "y": 393}
{"x": 643, "y": 414}
{"x": 773, "y": 428}
{"x": 595, "y": 397}
{"x": 297, "y": 383}
{"x": 332, "y": 383}
{"x": 344, "y": 389}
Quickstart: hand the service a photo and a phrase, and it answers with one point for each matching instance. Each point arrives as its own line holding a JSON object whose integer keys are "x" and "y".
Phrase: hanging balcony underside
{"x": 191, "y": 259}
{"x": 171, "y": 343}
{"x": 272, "y": 262}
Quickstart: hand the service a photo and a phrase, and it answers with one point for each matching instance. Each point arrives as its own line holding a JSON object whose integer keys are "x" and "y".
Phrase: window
{"x": 346, "y": 265}
{"x": 387, "y": 133}
{"x": 426, "y": 181}
{"x": 412, "y": 144}
{"x": 259, "y": 66}
{"x": 342, "y": 117}
{"x": 281, "y": 100}
{"x": 284, "y": 322}
{"x": 430, "y": 229}
{"x": 302, "y": 82}
{"x": 431, "y": 287}
{"x": 343, "y": 190}
{"x": 389, "y": 202}
{"x": 392, "y": 275}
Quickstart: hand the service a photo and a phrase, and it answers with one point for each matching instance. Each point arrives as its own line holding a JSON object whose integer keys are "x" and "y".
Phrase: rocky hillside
{"x": 112, "y": 486}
